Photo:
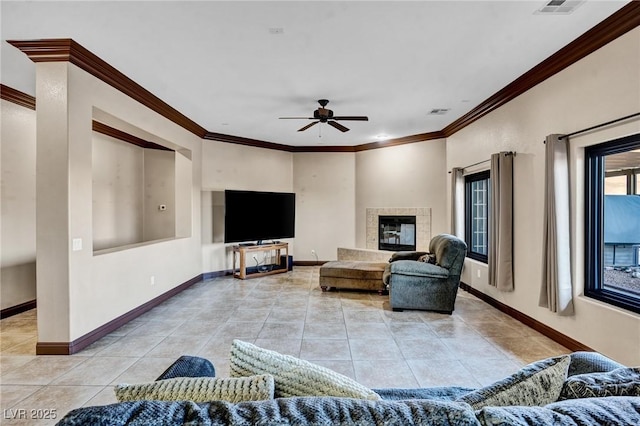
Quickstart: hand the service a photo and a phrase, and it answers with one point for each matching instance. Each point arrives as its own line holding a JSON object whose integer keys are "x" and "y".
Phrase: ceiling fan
{"x": 324, "y": 115}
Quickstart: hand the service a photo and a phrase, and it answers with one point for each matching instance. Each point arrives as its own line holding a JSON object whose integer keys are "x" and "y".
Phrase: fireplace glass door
{"x": 397, "y": 233}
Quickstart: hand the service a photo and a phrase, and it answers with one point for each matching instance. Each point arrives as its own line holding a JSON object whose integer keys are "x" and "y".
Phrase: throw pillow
{"x": 200, "y": 389}
{"x": 294, "y": 376}
{"x": 619, "y": 382}
{"x": 536, "y": 384}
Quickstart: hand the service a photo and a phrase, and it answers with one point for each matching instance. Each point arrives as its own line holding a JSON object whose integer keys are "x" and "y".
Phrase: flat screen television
{"x": 256, "y": 216}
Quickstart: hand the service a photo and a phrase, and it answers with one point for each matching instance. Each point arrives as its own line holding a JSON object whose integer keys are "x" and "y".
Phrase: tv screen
{"x": 257, "y": 216}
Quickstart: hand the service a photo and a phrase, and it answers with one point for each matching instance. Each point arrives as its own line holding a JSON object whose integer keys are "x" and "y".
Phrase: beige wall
{"x": 332, "y": 190}
{"x": 232, "y": 166}
{"x": 118, "y": 188}
{"x": 599, "y": 88}
{"x": 18, "y": 201}
{"x": 325, "y": 187}
{"x": 77, "y": 290}
{"x": 412, "y": 175}
{"x": 159, "y": 189}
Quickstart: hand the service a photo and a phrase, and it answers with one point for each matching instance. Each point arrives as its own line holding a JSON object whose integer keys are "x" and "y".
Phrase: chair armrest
{"x": 406, "y": 255}
{"x": 419, "y": 269}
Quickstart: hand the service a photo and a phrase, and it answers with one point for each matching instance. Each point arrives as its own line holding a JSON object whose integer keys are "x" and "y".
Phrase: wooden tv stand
{"x": 276, "y": 268}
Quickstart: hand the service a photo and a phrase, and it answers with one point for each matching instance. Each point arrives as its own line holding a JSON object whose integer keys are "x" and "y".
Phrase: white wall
{"x": 412, "y": 175}
{"x": 18, "y": 201}
{"x": 325, "y": 187}
{"x": 599, "y": 88}
{"x": 232, "y": 166}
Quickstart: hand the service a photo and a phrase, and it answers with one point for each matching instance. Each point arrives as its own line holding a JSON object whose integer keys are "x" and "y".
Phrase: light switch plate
{"x": 76, "y": 244}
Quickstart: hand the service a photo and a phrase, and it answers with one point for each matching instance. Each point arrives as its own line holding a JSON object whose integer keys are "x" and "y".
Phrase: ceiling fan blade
{"x": 352, "y": 117}
{"x": 296, "y": 118}
{"x": 307, "y": 126}
{"x": 337, "y": 126}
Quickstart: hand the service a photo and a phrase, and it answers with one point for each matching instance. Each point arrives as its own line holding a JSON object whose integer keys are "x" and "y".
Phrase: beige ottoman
{"x": 353, "y": 275}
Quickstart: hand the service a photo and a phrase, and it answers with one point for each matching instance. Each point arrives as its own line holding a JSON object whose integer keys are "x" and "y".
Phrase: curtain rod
{"x": 485, "y": 161}
{"x": 599, "y": 125}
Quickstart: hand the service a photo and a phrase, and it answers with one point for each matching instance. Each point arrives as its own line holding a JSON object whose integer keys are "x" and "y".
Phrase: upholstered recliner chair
{"x": 426, "y": 281}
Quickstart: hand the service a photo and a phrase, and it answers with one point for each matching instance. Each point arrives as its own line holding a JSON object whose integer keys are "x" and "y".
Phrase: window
{"x": 477, "y": 198}
{"x": 612, "y": 257}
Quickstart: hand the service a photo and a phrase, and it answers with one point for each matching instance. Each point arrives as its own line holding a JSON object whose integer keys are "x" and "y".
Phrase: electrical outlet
{"x": 313, "y": 252}
{"x": 478, "y": 273}
{"x": 152, "y": 280}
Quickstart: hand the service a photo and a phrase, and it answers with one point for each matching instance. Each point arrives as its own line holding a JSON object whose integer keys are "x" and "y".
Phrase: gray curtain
{"x": 457, "y": 202}
{"x": 556, "y": 292}
{"x": 501, "y": 222}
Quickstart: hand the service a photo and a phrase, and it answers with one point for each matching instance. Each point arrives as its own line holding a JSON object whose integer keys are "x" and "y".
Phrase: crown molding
{"x": 17, "y": 97}
{"x": 325, "y": 148}
{"x": 401, "y": 141}
{"x": 239, "y": 140}
{"x": 67, "y": 50}
{"x": 55, "y": 50}
{"x": 616, "y": 25}
{"x": 102, "y": 128}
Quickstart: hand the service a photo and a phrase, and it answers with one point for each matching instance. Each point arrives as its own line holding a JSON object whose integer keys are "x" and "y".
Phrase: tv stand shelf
{"x": 241, "y": 251}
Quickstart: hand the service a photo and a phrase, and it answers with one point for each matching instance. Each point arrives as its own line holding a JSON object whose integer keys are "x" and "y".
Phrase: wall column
{"x": 53, "y": 244}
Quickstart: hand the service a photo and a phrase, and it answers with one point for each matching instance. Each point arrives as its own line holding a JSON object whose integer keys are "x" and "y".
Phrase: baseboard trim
{"x": 17, "y": 309}
{"x": 309, "y": 262}
{"x": 551, "y": 333}
{"x": 69, "y": 348}
{"x": 216, "y": 274}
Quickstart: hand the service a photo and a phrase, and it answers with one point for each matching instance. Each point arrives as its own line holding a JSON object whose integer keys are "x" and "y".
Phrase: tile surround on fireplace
{"x": 423, "y": 224}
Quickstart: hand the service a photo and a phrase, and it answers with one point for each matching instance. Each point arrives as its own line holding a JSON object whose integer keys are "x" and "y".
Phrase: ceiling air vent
{"x": 439, "y": 111}
{"x": 559, "y": 7}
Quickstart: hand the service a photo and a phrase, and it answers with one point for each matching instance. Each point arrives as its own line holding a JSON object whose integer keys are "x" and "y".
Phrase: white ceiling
{"x": 218, "y": 63}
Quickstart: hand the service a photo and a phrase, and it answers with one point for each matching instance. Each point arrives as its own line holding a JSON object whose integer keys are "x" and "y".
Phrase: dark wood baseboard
{"x": 551, "y": 333}
{"x": 69, "y": 348}
{"x": 216, "y": 274}
{"x": 18, "y": 309}
{"x": 309, "y": 262}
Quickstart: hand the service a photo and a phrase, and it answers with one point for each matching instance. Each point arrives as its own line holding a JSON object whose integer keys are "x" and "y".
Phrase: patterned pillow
{"x": 619, "y": 382}
{"x": 536, "y": 384}
{"x": 293, "y": 376}
{"x": 200, "y": 389}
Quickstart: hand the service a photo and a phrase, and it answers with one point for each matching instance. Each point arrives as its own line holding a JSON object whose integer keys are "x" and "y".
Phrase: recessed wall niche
{"x": 141, "y": 186}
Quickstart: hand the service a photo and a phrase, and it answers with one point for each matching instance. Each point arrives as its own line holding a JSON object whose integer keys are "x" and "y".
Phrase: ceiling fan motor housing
{"x": 323, "y": 114}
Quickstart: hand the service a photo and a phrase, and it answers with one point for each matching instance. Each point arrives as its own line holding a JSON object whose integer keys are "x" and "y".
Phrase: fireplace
{"x": 397, "y": 233}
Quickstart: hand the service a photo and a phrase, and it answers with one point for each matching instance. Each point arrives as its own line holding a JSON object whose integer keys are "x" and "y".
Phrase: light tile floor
{"x": 353, "y": 333}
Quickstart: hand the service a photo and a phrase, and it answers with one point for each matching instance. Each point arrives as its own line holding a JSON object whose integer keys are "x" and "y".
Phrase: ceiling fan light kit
{"x": 325, "y": 115}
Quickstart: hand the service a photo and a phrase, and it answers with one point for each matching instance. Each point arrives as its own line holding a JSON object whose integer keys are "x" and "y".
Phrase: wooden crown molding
{"x": 401, "y": 141}
{"x": 239, "y": 140}
{"x": 55, "y": 50}
{"x": 67, "y": 50}
{"x": 327, "y": 148}
{"x": 17, "y": 97}
{"x": 102, "y": 128}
